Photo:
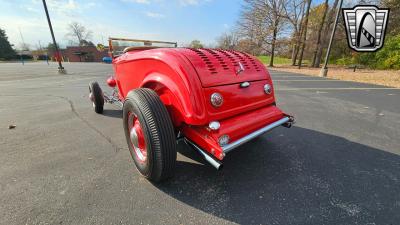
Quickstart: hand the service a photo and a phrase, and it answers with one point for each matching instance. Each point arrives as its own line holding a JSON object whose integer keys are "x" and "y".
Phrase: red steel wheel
{"x": 137, "y": 140}
{"x": 150, "y": 134}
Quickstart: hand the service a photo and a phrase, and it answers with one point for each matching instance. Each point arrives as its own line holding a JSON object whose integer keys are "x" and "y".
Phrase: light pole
{"x": 58, "y": 53}
{"x": 324, "y": 70}
{"x": 23, "y": 47}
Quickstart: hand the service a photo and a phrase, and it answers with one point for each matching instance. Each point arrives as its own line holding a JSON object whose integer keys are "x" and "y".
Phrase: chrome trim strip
{"x": 212, "y": 161}
{"x": 229, "y": 147}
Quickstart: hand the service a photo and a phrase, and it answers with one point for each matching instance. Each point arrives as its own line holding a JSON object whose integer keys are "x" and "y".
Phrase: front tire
{"x": 96, "y": 96}
{"x": 150, "y": 134}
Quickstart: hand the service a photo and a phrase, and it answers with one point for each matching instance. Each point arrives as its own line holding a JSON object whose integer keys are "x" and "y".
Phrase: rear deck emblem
{"x": 365, "y": 27}
{"x": 240, "y": 69}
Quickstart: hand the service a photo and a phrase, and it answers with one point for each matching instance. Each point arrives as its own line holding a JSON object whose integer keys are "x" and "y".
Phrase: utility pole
{"x": 58, "y": 53}
{"x": 324, "y": 70}
{"x": 22, "y": 48}
{"x": 22, "y": 39}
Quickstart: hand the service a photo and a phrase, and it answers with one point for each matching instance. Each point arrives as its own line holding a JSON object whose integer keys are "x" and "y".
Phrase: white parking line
{"x": 311, "y": 80}
{"x": 349, "y": 88}
{"x": 287, "y": 76}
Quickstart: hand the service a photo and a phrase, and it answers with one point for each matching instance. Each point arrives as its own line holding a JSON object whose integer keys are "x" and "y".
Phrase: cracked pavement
{"x": 65, "y": 164}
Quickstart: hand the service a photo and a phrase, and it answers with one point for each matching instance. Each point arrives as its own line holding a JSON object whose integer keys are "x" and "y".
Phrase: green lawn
{"x": 277, "y": 60}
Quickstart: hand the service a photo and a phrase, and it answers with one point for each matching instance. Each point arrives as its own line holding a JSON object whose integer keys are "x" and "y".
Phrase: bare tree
{"x": 261, "y": 22}
{"x": 321, "y": 25}
{"x": 228, "y": 41}
{"x": 277, "y": 9}
{"x": 394, "y": 22}
{"x": 79, "y": 33}
{"x": 294, "y": 13}
{"x": 253, "y": 27}
{"x": 325, "y": 33}
{"x": 304, "y": 35}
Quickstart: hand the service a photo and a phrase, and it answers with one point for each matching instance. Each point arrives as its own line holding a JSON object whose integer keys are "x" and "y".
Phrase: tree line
{"x": 77, "y": 35}
{"x": 294, "y": 29}
{"x": 300, "y": 30}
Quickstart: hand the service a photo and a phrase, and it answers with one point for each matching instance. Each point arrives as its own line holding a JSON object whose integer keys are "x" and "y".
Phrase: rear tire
{"x": 96, "y": 96}
{"x": 152, "y": 142}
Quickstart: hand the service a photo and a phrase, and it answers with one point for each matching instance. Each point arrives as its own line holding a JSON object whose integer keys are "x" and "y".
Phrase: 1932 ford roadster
{"x": 213, "y": 99}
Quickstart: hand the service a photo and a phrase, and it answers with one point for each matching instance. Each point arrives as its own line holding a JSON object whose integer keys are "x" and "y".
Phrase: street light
{"x": 324, "y": 70}
{"x": 60, "y": 67}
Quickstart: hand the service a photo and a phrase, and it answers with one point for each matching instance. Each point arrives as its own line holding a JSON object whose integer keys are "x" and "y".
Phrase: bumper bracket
{"x": 285, "y": 121}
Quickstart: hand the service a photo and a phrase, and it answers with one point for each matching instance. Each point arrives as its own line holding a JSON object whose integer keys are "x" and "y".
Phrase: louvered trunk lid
{"x": 217, "y": 67}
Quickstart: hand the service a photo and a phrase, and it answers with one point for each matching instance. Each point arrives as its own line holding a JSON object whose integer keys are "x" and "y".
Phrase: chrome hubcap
{"x": 91, "y": 97}
{"x": 134, "y": 137}
{"x": 137, "y": 138}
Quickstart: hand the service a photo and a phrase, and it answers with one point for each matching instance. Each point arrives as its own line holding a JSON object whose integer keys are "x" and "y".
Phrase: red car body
{"x": 185, "y": 79}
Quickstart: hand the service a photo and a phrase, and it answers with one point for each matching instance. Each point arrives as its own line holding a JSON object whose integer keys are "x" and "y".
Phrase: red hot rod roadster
{"x": 213, "y": 99}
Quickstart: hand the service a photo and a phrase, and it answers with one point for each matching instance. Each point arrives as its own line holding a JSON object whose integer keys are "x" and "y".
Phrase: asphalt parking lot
{"x": 64, "y": 164}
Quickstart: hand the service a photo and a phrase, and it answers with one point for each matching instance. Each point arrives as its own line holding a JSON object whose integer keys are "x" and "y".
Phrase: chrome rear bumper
{"x": 286, "y": 121}
{"x": 214, "y": 162}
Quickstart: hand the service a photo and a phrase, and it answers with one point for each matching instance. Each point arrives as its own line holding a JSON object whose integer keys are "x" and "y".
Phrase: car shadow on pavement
{"x": 293, "y": 176}
{"x": 116, "y": 113}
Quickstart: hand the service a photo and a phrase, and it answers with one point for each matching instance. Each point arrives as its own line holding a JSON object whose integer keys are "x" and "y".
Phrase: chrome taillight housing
{"x": 223, "y": 140}
{"x": 268, "y": 89}
{"x": 216, "y": 99}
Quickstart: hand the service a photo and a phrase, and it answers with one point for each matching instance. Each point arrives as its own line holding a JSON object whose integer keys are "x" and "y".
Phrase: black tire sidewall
{"x": 143, "y": 167}
{"x": 158, "y": 131}
{"x": 97, "y": 93}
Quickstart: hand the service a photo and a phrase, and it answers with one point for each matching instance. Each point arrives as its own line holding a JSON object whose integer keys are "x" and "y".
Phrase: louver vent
{"x": 220, "y": 67}
{"x": 205, "y": 59}
{"x": 227, "y": 59}
{"x": 252, "y": 61}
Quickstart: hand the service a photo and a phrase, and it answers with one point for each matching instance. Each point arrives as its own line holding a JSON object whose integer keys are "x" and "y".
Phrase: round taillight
{"x": 216, "y": 99}
{"x": 111, "y": 82}
{"x": 267, "y": 89}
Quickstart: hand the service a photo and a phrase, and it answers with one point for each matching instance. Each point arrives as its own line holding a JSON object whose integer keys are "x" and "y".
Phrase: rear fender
{"x": 177, "y": 97}
{"x": 171, "y": 75}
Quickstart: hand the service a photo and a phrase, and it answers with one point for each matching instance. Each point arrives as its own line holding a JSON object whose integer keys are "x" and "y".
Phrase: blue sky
{"x": 170, "y": 20}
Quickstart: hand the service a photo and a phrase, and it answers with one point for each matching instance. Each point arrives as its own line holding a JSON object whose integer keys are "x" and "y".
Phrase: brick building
{"x": 82, "y": 54}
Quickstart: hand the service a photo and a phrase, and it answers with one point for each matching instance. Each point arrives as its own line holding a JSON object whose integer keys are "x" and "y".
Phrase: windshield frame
{"x": 146, "y": 44}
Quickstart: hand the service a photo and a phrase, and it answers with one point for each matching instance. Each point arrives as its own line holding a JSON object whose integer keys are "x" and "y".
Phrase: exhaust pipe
{"x": 209, "y": 159}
